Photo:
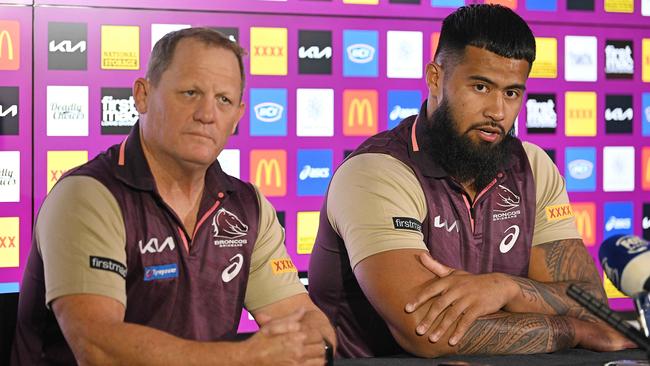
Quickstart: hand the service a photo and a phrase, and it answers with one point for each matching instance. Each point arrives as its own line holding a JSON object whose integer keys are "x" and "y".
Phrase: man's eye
{"x": 224, "y": 100}
{"x": 512, "y": 94}
{"x": 189, "y": 93}
{"x": 480, "y": 88}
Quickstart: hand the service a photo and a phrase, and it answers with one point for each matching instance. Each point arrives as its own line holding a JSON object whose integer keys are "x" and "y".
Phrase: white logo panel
{"x": 67, "y": 110}
{"x": 315, "y": 112}
{"x": 618, "y": 168}
{"x": 404, "y": 55}
{"x": 9, "y": 176}
{"x": 580, "y": 58}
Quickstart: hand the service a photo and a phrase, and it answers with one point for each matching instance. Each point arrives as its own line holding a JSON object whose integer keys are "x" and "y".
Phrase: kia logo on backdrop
{"x": 118, "y": 111}
{"x": 66, "y": 46}
{"x": 541, "y": 115}
{"x": 231, "y": 33}
{"x": 619, "y": 114}
{"x": 314, "y": 52}
{"x": 619, "y": 59}
{"x": 9, "y": 110}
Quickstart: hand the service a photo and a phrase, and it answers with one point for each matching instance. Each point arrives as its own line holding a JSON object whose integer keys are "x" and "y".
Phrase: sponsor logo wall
{"x": 316, "y": 88}
{"x": 15, "y": 143}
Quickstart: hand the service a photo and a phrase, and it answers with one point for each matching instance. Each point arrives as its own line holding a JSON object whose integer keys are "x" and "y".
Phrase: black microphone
{"x": 603, "y": 312}
{"x": 626, "y": 261}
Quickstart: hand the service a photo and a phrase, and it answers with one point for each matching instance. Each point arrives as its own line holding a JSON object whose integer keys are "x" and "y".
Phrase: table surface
{"x": 572, "y": 357}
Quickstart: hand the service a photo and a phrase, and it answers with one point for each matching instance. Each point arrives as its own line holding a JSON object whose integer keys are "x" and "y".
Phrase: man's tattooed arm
{"x": 505, "y": 333}
{"x": 553, "y": 267}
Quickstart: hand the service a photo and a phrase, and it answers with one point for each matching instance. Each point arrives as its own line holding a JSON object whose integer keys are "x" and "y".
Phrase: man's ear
{"x": 434, "y": 78}
{"x": 240, "y": 114}
{"x": 141, "y": 88}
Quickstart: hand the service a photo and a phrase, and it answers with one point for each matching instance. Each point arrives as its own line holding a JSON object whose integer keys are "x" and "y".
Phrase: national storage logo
{"x": 120, "y": 48}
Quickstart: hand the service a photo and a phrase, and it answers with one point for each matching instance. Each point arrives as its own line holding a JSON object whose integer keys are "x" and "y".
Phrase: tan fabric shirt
{"x": 368, "y": 189}
{"x": 80, "y": 217}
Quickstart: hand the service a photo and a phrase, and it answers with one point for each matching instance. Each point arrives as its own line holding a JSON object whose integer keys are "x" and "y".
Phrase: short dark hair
{"x": 492, "y": 27}
{"x": 163, "y": 51}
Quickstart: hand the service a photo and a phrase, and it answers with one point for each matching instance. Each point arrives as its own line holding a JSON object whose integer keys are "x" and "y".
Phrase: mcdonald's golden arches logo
{"x": 9, "y": 45}
{"x": 585, "y": 216}
{"x": 360, "y": 114}
{"x": 268, "y": 171}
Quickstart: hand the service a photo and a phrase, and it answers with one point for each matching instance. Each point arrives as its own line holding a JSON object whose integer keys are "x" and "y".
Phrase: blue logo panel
{"x": 447, "y": 3}
{"x": 401, "y": 104}
{"x": 580, "y": 169}
{"x": 160, "y": 272}
{"x": 314, "y": 171}
{"x": 618, "y": 218}
{"x": 361, "y": 50}
{"x": 545, "y": 5}
{"x": 645, "y": 114}
{"x": 268, "y": 112}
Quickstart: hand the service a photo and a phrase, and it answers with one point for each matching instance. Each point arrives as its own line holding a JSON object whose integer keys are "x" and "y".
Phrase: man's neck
{"x": 180, "y": 187}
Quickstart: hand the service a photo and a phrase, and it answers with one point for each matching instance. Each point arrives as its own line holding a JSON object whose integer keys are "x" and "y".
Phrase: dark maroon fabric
{"x": 332, "y": 285}
{"x": 201, "y": 303}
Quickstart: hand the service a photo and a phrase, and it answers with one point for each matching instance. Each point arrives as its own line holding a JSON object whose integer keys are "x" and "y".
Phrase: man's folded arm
{"x": 390, "y": 279}
{"x": 553, "y": 267}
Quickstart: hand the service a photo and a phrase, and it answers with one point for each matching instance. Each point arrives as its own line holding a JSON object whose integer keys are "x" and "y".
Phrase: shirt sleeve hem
{"x": 279, "y": 294}
{"x": 554, "y": 236}
{"x": 376, "y": 249}
{"x": 85, "y": 289}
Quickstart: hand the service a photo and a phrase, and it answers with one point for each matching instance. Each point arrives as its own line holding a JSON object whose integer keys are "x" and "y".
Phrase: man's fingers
{"x": 428, "y": 293}
{"x": 466, "y": 321}
{"x": 434, "y": 266}
{"x": 285, "y": 324}
{"x": 438, "y": 305}
{"x": 454, "y": 312}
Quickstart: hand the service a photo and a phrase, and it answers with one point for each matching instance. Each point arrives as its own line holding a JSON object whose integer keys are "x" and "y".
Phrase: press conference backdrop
{"x": 322, "y": 76}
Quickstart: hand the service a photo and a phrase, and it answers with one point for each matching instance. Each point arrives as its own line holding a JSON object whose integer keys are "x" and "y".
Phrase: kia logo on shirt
{"x": 67, "y": 46}
{"x": 541, "y": 115}
{"x": 118, "y": 111}
{"x": 619, "y": 59}
{"x": 619, "y": 114}
{"x": 314, "y": 52}
{"x": 9, "y": 110}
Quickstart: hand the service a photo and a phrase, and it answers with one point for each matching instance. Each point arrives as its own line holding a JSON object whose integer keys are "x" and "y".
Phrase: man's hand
{"x": 597, "y": 336}
{"x": 467, "y": 296}
{"x": 283, "y": 341}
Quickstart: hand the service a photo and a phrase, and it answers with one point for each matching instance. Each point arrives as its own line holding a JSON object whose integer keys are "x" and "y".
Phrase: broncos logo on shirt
{"x": 227, "y": 225}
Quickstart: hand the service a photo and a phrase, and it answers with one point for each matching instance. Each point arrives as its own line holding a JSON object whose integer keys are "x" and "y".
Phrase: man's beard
{"x": 461, "y": 157}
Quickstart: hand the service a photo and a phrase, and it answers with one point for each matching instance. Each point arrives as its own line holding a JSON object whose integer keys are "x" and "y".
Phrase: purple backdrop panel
{"x": 15, "y": 141}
